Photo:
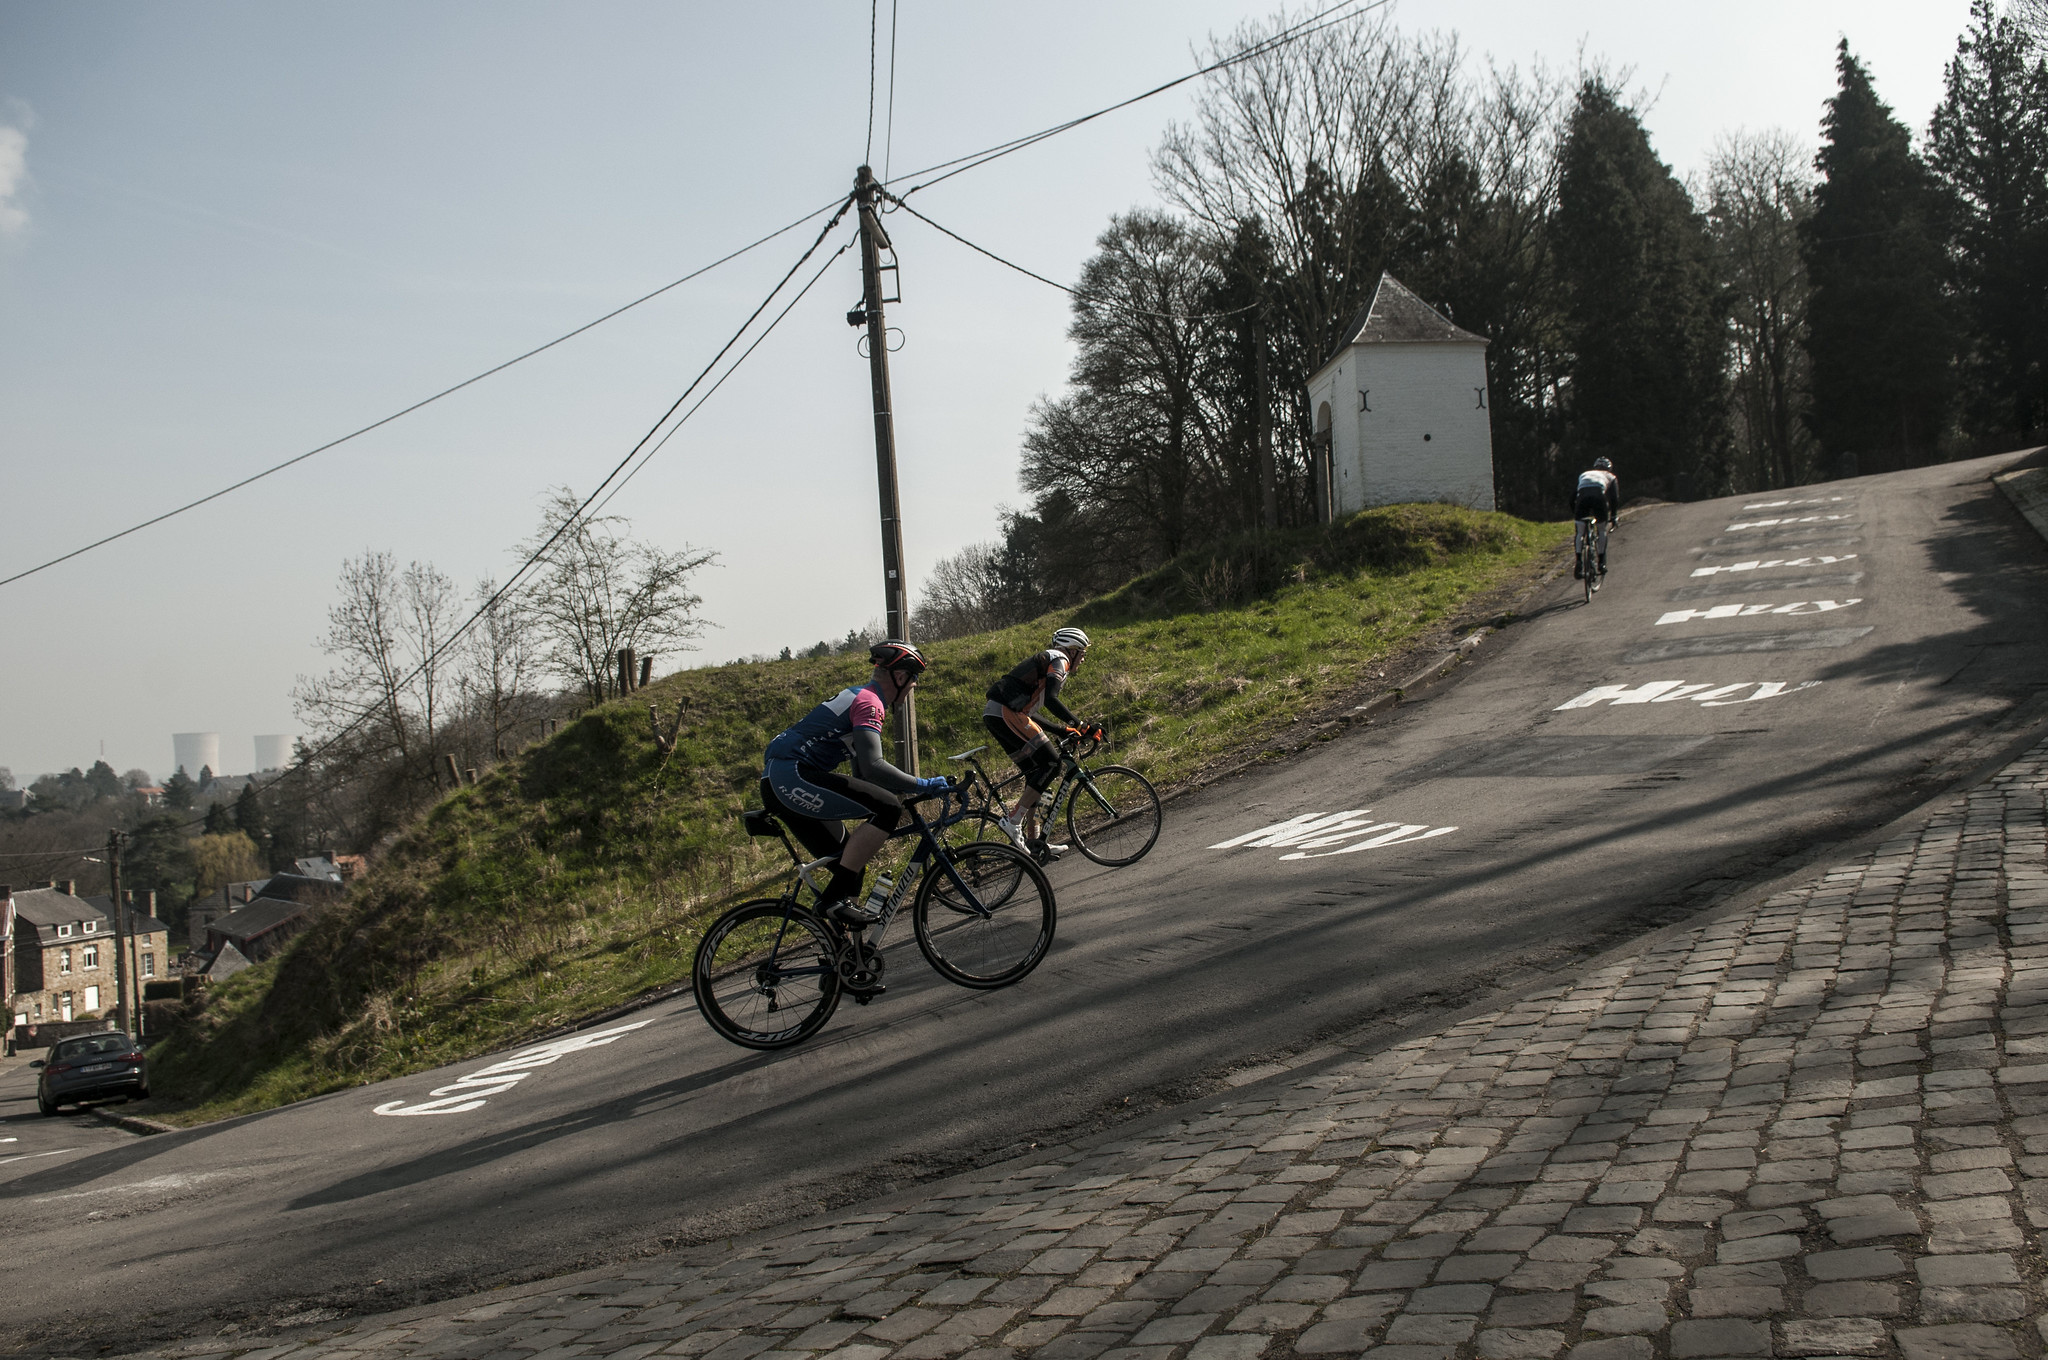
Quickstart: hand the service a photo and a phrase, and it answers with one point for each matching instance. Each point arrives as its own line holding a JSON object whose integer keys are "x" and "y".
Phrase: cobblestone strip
{"x": 1819, "y": 1128}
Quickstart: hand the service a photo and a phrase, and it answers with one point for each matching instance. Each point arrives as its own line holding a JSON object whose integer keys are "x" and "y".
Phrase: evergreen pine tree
{"x": 1644, "y": 311}
{"x": 249, "y": 810}
{"x": 1879, "y": 328}
{"x": 1988, "y": 146}
{"x": 218, "y": 822}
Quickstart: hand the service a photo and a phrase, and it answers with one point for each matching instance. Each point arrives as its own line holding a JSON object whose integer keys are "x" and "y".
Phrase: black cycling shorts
{"x": 1037, "y": 759}
{"x": 1590, "y": 505}
{"x": 824, "y": 834}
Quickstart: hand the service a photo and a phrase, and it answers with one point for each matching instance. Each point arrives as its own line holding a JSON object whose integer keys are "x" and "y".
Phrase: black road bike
{"x": 1113, "y": 814}
{"x": 769, "y": 973}
{"x": 1585, "y": 540}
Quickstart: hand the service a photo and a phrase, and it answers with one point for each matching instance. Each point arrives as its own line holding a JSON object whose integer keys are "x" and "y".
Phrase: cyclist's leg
{"x": 1602, "y": 526}
{"x": 1033, "y": 755}
{"x": 814, "y": 795}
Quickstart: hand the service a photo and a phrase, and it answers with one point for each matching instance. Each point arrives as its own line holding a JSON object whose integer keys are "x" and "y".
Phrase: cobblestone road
{"x": 1816, "y": 1127}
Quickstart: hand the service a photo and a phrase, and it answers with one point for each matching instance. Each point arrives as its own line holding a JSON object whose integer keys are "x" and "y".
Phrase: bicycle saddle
{"x": 760, "y": 822}
{"x": 964, "y": 754}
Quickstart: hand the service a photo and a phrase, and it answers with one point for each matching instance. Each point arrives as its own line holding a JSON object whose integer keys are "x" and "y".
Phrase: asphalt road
{"x": 1602, "y": 769}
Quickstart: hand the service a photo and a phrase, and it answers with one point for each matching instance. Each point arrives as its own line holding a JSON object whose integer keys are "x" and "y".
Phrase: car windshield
{"x": 97, "y": 1043}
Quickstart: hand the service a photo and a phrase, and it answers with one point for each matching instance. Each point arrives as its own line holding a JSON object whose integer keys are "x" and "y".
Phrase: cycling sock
{"x": 845, "y": 883}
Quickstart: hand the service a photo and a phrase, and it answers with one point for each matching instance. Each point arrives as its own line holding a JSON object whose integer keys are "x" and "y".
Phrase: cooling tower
{"x": 272, "y": 752}
{"x": 196, "y": 751}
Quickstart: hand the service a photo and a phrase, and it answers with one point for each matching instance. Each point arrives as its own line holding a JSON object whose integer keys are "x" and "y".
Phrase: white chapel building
{"x": 1401, "y": 411}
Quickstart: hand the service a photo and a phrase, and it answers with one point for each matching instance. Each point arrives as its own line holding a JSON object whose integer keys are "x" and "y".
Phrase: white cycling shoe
{"x": 1012, "y": 830}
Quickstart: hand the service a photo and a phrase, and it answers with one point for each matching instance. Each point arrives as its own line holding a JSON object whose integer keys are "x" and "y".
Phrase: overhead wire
{"x": 424, "y": 402}
{"x": 734, "y": 368}
{"x": 889, "y": 134}
{"x": 874, "y": 7}
{"x": 1075, "y": 292}
{"x": 541, "y": 552}
{"x": 1314, "y": 23}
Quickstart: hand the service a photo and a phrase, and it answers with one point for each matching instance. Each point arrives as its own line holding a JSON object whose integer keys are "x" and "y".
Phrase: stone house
{"x": 1400, "y": 410}
{"x": 61, "y": 955}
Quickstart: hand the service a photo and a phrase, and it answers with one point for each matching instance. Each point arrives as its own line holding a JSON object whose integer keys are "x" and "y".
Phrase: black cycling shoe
{"x": 1578, "y": 570}
{"x": 850, "y": 911}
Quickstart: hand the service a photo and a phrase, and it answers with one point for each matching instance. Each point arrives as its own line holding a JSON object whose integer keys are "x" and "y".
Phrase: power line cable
{"x": 1075, "y": 292}
{"x": 874, "y": 8}
{"x": 889, "y": 134}
{"x": 712, "y": 390}
{"x": 1314, "y": 23}
{"x": 540, "y": 553}
{"x": 427, "y": 401}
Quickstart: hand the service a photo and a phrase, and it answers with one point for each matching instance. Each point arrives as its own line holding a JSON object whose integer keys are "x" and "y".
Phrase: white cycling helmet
{"x": 1069, "y": 637}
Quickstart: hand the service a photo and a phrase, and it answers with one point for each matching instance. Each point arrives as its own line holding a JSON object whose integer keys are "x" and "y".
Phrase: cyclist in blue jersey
{"x": 801, "y": 782}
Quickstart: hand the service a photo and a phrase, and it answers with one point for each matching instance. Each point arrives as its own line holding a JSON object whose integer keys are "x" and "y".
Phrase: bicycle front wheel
{"x": 997, "y": 929}
{"x": 765, "y": 975}
{"x": 1113, "y": 815}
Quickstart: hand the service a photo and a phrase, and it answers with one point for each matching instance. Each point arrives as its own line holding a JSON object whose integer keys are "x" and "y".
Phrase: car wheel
{"x": 143, "y": 1094}
{"x": 44, "y": 1105}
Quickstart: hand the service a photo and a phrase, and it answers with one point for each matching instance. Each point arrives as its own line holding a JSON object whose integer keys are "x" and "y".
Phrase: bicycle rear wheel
{"x": 998, "y": 929}
{"x": 765, "y": 975}
{"x": 973, "y": 828}
{"x": 1113, "y": 815}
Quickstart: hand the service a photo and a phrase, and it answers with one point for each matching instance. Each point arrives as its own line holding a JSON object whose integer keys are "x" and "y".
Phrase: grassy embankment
{"x": 575, "y": 876}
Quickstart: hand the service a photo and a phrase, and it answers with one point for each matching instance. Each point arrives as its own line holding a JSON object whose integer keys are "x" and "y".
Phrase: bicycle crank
{"x": 860, "y": 969}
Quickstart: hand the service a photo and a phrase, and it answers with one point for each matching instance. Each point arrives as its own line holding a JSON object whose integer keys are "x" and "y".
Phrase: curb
{"x": 133, "y": 1123}
{"x": 2027, "y": 489}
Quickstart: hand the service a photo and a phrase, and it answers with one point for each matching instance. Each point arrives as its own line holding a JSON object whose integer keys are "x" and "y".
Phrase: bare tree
{"x": 963, "y": 594}
{"x": 500, "y": 671}
{"x": 1760, "y": 190}
{"x": 599, "y": 591}
{"x": 382, "y": 704}
{"x": 2031, "y": 17}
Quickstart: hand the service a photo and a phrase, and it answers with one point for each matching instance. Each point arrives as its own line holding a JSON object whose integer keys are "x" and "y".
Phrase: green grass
{"x": 575, "y": 876}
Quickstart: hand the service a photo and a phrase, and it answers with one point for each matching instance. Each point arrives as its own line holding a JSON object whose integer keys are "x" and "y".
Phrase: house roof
{"x": 49, "y": 907}
{"x": 260, "y": 917}
{"x": 138, "y": 924}
{"x": 226, "y": 963}
{"x": 1395, "y": 316}
{"x": 299, "y": 888}
{"x": 318, "y": 866}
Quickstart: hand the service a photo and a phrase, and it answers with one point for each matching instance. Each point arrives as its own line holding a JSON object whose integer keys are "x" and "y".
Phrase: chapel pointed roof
{"x": 1396, "y": 316}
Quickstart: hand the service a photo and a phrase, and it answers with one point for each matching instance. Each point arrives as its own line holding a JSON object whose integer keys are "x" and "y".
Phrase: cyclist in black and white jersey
{"x": 1596, "y": 497}
{"x": 1033, "y": 687}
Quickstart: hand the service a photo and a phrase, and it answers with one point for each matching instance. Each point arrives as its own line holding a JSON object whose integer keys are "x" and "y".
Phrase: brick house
{"x": 60, "y": 953}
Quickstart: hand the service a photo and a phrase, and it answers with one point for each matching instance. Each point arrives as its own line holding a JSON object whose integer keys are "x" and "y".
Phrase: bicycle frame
{"x": 1062, "y": 788}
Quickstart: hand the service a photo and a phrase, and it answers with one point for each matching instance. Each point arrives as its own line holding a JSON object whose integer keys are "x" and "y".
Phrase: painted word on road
{"x": 1780, "y": 505}
{"x": 1753, "y": 611}
{"x": 1776, "y": 562}
{"x": 472, "y": 1090}
{"x": 1669, "y": 691}
{"x": 1774, "y": 523}
{"x": 1313, "y": 832}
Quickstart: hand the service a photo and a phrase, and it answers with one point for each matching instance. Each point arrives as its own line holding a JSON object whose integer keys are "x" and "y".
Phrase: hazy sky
{"x": 231, "y": 232}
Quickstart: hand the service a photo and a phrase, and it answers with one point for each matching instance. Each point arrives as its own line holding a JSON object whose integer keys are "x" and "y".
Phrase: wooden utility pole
{"x": 121, "y": 931}
{"x": 895, "y": 589}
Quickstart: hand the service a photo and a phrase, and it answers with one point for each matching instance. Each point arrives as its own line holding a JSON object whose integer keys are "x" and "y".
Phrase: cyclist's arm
{"x": 1052, "y": 704}
{"x": 871, "y": 765}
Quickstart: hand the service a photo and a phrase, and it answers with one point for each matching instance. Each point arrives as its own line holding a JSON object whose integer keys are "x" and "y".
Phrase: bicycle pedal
{"x": 863, "y": 995}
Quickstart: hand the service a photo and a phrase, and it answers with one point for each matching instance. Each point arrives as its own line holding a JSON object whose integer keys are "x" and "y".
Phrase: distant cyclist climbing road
{"x": 1032, "y": 687}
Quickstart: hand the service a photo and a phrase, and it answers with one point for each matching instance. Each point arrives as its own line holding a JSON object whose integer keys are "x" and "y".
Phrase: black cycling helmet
{"x": 894, "y": 654}
{"x": 1603, "y": 464}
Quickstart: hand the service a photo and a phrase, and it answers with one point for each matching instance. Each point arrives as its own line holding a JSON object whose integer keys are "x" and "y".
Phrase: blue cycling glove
{"x": 938, "y": 783}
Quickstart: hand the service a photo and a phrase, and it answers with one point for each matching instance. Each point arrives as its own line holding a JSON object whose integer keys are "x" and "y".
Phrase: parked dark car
{"x": 90, "y": 1066}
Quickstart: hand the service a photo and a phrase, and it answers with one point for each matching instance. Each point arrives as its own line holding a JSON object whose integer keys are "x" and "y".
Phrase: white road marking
{"x": 1752, "y": 611}
{"x": 470, "y": 1091}
{"x": 1665, "y": 691}
{"x": 1776, "y": 562}
{"x": 1780, "y": 505}
{"x": 30, "y": 1156}
{"x": 176, "y": 1180}
{"x": 1312, "y": 831}
{"x": 1773, "y": 523}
